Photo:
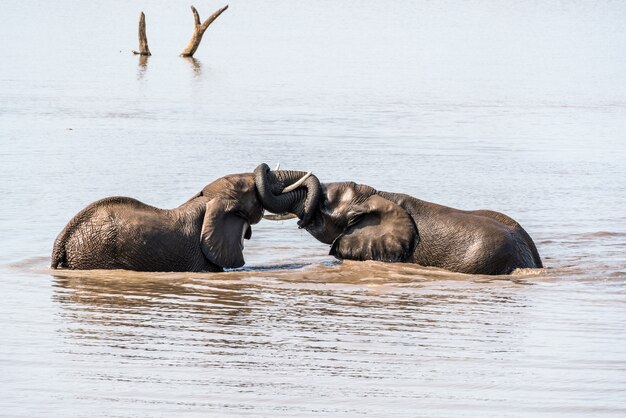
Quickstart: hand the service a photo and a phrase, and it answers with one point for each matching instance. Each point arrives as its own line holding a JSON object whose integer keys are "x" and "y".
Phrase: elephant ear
{"x": 378, "y": 230}
{"x": 223, "y": 231}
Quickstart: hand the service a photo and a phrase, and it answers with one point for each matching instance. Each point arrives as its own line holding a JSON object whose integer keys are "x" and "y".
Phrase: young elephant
{"x": 362, "y": 223}
{"x": 205, "y": 233}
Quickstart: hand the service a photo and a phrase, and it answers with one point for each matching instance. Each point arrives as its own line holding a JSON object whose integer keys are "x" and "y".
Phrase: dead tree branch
{"x": 198, "y": 30}
{"x": 143, "y": 40}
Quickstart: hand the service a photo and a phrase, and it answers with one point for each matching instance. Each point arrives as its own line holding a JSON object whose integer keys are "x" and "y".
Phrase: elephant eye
{"x": 355, "y": 219}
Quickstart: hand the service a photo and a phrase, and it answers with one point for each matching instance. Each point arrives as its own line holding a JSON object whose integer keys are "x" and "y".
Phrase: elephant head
{"x": 357, "y": 221}
{"x": 235, "y": 203}
{"x": 362, "y": 225}
{"x": 232, "y": 205}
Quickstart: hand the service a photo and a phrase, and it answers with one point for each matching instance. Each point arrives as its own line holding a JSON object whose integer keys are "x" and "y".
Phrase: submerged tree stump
{"x": 143, "y": 40}
{"x": 198, "y": 30}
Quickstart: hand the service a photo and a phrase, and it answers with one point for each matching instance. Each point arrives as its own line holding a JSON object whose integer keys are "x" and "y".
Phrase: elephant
{"x": 206, "y": 233}
{"x": 362, "y": 223}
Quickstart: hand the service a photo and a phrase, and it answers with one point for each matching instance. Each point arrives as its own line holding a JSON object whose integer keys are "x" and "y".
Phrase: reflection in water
{"x": 122, "y": 292}
{"x": 362, "y": 336}
{"x": 196, "y": 66}
{"x": 142, "y": 67}
{"x": 264, "y": 332}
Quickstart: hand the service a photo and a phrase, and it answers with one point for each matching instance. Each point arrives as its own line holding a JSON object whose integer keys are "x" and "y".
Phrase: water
{"x": 516, "y": 107}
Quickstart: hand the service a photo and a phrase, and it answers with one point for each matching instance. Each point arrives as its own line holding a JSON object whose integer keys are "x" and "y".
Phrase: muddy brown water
{"x": 514, "y": 107}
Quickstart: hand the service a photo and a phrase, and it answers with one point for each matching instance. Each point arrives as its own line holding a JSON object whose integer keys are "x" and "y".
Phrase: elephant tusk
{"x": 280, "y": 217}
{"x": 297, "y": 183}
{"x": 277, "y": 167}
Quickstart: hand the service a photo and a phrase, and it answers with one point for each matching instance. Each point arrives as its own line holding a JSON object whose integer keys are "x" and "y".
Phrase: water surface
{"x": 519, "y": 108}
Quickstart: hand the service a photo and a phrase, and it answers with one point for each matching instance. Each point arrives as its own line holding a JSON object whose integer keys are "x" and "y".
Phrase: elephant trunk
{"x": 302, "y": 201}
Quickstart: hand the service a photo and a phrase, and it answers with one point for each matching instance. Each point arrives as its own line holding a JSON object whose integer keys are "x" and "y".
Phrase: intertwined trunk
{"x": 302, "y": 201}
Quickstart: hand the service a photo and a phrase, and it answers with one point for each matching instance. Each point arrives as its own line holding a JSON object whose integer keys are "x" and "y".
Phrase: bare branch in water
{"x": 198, "y": 30}
{"x": 143, "y": 39}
